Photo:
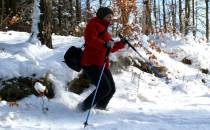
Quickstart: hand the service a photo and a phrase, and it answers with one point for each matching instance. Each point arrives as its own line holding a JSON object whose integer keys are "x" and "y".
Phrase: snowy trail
{"x": 119, "y": 118}
{"x": 178, "y": 120}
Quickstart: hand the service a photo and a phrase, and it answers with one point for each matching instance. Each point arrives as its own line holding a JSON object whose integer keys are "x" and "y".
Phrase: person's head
{"x": 105, "y": 13}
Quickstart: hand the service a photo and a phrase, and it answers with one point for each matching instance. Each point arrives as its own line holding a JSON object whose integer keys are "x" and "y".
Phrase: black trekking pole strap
{"x": 148, "y": 63}
{"x": 107, "y": 55}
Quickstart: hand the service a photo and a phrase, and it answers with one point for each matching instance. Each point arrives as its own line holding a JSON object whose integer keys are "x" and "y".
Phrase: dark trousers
{"x": 106, "y": 87}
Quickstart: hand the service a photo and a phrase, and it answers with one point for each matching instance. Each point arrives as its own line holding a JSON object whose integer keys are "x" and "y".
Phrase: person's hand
{"x": 123, "y": 40}
{"x": 109, "y": 44}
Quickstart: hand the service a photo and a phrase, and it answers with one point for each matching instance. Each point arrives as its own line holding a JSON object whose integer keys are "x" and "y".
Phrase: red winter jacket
{"x": 94, "y": 52}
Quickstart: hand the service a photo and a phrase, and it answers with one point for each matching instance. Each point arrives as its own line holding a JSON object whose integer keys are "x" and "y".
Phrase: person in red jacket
{"x": 97, "y": 42}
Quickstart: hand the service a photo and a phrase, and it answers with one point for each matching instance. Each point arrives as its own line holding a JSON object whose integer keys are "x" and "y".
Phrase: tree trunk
{"x": 71, "y": 5}
{"x": 72, "y": 17}
{"x": 88, "y": 13}
{"x": 196, "y": 16}
{"x": 2, "y": 13}
{"x": 180, "y": 16}
{"x": 78, "y": 11}
{"x": 193, "y": 14}
{"x": 164, "y": 16}
{"x": 100, "y": 2}
{"x": 207, "y": 20}
{"x": 149, "y": 19}
{"x": 147, "y": 28}
{"x": 159, "y": 14}
{"x": 10, "y": 6}
{"x": 174, "y": 16}
{"x": 59, "y": 18}
{"x": 45, "y": 26}
{"x": 155, "y": 15}
{"x": 187, "y": 16}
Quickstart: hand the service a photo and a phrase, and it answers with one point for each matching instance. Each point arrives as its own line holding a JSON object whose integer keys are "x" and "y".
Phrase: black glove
{"x": 123, "y": 40}
{"x": 109, "y": 44}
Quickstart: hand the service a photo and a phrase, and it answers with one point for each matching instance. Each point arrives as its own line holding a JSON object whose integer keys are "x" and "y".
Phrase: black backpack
{"x": 73, "y": 56}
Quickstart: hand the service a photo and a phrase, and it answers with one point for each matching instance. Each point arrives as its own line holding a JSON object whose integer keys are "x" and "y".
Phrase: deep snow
{"x": 141, "y": 102}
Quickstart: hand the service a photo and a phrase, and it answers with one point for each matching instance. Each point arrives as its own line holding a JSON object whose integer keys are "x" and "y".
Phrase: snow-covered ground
{"x": 141, "y": 102}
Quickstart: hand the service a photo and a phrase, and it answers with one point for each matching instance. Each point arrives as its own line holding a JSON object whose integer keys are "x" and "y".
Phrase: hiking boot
{"x": 81, "y": 108}
{"x": 101, "y": 108}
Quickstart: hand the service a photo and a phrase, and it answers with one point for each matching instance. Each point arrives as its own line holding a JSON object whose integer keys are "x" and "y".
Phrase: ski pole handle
{"x": 121, "y": 37}
{"x": 127, "y": 42}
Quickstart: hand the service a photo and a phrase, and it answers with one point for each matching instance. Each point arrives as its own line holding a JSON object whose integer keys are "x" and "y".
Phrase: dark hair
{"x": 103, "y": 12}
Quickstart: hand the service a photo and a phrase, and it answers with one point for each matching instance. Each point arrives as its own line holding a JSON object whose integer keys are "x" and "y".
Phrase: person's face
{"x": 108, "y": 18}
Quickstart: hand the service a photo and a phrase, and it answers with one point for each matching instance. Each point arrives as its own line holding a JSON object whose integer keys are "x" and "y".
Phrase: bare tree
{"x": 159, "y": 13}
{"x": 88, "y": 13}
{"x": 59, "y": 17}
{"x": 180, "y": 16}
{"x": 207, "y": 20}
{"x": 100, "y": 2}
{"x": 45, "y": 26}
{"x": 71, "y": 5}
{"x": 187, "y": 16}
{"x": 164, "y": 16}
{"x": 2, "y": 13}
{"x": 148, "y": 17}
{"x": 196, "y": 16}
{"x": 10, "y": 6}
{"x": 155, "y": 14}
{"x": 78, "y": 11}
{"x": 193, "y": 17}
{"x": 174, "y": 15}
{"x": 72, "y": 16}
{"x": 146, "y": 20}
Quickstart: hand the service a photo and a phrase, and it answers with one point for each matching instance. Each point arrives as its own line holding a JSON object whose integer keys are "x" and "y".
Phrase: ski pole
{"x": 153, "y": 68}
{"x": 105, "y": 60}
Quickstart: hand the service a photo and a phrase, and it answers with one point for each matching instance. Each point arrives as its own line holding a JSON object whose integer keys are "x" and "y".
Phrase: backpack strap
{"x": 101, "y": 33}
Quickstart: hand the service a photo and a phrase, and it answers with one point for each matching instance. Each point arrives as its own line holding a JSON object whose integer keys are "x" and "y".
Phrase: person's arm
{"x": 118, "y": 45}
{"x": 92, "y": 36}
